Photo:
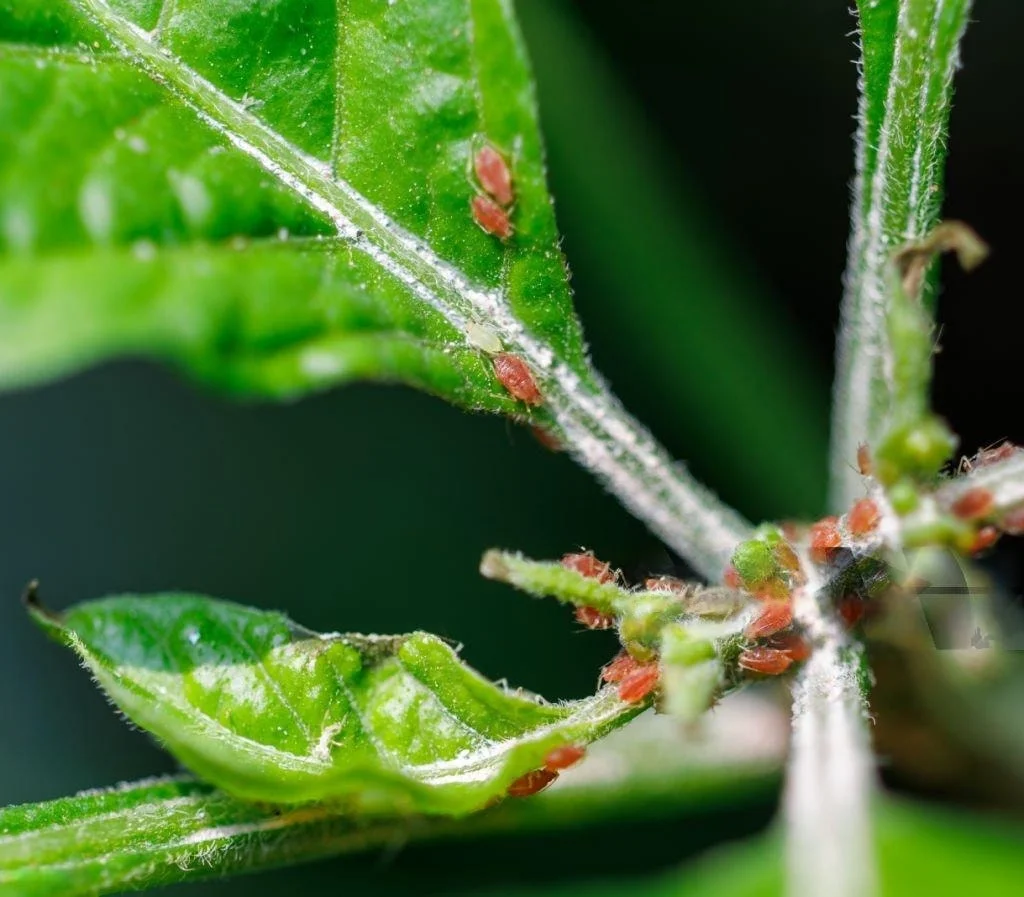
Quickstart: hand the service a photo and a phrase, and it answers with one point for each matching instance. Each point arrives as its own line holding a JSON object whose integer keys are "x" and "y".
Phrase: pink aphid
{"x": 493, "y": 174}
{"x": 774, "y": 617}
{"x": 864, "y": 516}
{"x": 824, "y": 538}
{"x": 619, "y": 667}
{"x": 666, "y": 584}
{"x": 515, "y": 375}
{"x": 792, "y": 644}
{"x": 563, "y": 757}
{"x": 491, "y": 217}
{"x": 534, "y": 781}
{"x": 1002, "y": 452}
{"x": 592, "y": 618}
{"x": 584, "y": 563}
{"x": 637, "y": 684}
{"x": 984, "y": 539}
{"x": 974, "y": 503}
{"x": 769, "y": 661}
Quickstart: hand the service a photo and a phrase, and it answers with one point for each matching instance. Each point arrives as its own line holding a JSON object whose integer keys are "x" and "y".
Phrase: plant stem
{"x": 1004, "y": 479}
{"x": 176, "y": 830}
{"x": 595, "y": 428}
{"x": 910, "y": 51}
{"x": 830, "y": 778}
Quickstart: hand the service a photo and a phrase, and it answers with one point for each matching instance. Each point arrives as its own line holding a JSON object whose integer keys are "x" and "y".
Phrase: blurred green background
{"x": 700, "y": 159}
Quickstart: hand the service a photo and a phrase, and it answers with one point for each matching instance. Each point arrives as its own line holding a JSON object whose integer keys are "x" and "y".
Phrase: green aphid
{"x": 755, "y": 563}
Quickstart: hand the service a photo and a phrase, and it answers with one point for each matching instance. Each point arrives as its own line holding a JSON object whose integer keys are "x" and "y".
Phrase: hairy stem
{"x": 910, "y": 51}
{"x": 593, "y": 425}
{"x": 830, "y": 778}
{"x": 179, "y": 830}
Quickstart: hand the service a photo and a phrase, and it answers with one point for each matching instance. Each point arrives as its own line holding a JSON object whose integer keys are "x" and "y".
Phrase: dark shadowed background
{"x": 683, "y": 139}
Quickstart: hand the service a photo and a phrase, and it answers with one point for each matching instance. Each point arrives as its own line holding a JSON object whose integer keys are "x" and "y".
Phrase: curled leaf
{"x": 270, "y": 711}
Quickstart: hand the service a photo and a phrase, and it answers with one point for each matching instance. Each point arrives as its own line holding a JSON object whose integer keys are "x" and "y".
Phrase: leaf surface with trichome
{"x": 270, "y": 711}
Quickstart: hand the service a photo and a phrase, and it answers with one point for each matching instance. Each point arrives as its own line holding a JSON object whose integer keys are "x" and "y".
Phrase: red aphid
{"x": 864, "y": 516}
{"x": 984, "y": 539}
{"x": 639, "y": 683}
{"x": 589, "y": 566}
{"x": 852, "y": 609}
{"x": 973, "y": 504}
{"x": 1001, "y": 452}
{"x": 731, "y": 578}
{"x": 619, "y": 667}
{"x": 491, "y": 217}
{"x": 563, "y": 757}
{"x": 824, "y": 538}
{"x": 493, "y": 174}
{"x": 864, "y": 463}
{"x": 516, "y": 377}
{"x": 592, "y": 618}
{"x": 1013, "y": 523}
{"x": 665, "y": 584}
{"x": 774, "y": 617}
{"x": 547, "y": 439}
{"x": 761, "y": 659}
{"x": 792, "y": 644}
{"x": 534, "y": 781}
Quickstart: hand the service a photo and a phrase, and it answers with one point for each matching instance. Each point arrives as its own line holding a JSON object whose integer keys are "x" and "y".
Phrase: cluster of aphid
{"x": 538, "y": 779}
{"x": 976, "y": 523}
{"x": 768, "y": 570}
{"x": 491, "y": 206}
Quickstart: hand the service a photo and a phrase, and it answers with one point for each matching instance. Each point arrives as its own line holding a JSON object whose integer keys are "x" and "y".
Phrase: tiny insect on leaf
{"x": 774, "y": 617}
{"x": 864, "y": 517}
{"x": 491, "y": 217}
{"x": 825, "y": 537}
{"x": 762, "y": 659}
{"x": 493, "y": 174}
{"x": 563, "y": 757}
{"x": 587, "y": 565}
{"x": 973, "y": 504}
{"x": 532, "y": 783}
{"x": 514, "y": 374}
{"x": 592, "y": 618}
{"x": 637, "y": 684}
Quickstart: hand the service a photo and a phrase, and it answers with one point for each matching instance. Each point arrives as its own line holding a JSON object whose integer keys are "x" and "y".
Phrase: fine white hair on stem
{"x": 897, "y": 192}
{"x": 830, "y": 779}
{"x": 1004, "y": 479}
{"x": 594, "y": 426}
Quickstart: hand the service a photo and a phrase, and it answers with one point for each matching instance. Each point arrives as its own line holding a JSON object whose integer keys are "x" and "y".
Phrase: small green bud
{"x": 679, "y": 647}
{"x": 903, "y": 497}
{"x": 917, "y": 450}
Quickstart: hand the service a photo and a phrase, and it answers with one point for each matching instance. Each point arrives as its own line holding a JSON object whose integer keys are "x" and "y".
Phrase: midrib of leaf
{"x": 597, "y": 430}
{"x": 900, "y": 156}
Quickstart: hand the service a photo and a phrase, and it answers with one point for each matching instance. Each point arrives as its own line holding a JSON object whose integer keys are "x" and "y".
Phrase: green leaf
{"x": 275, "y": 196}
{"x": 910, "y": 51}
{"x": 153, "y": 833}
{"x": 269, "y": 711}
